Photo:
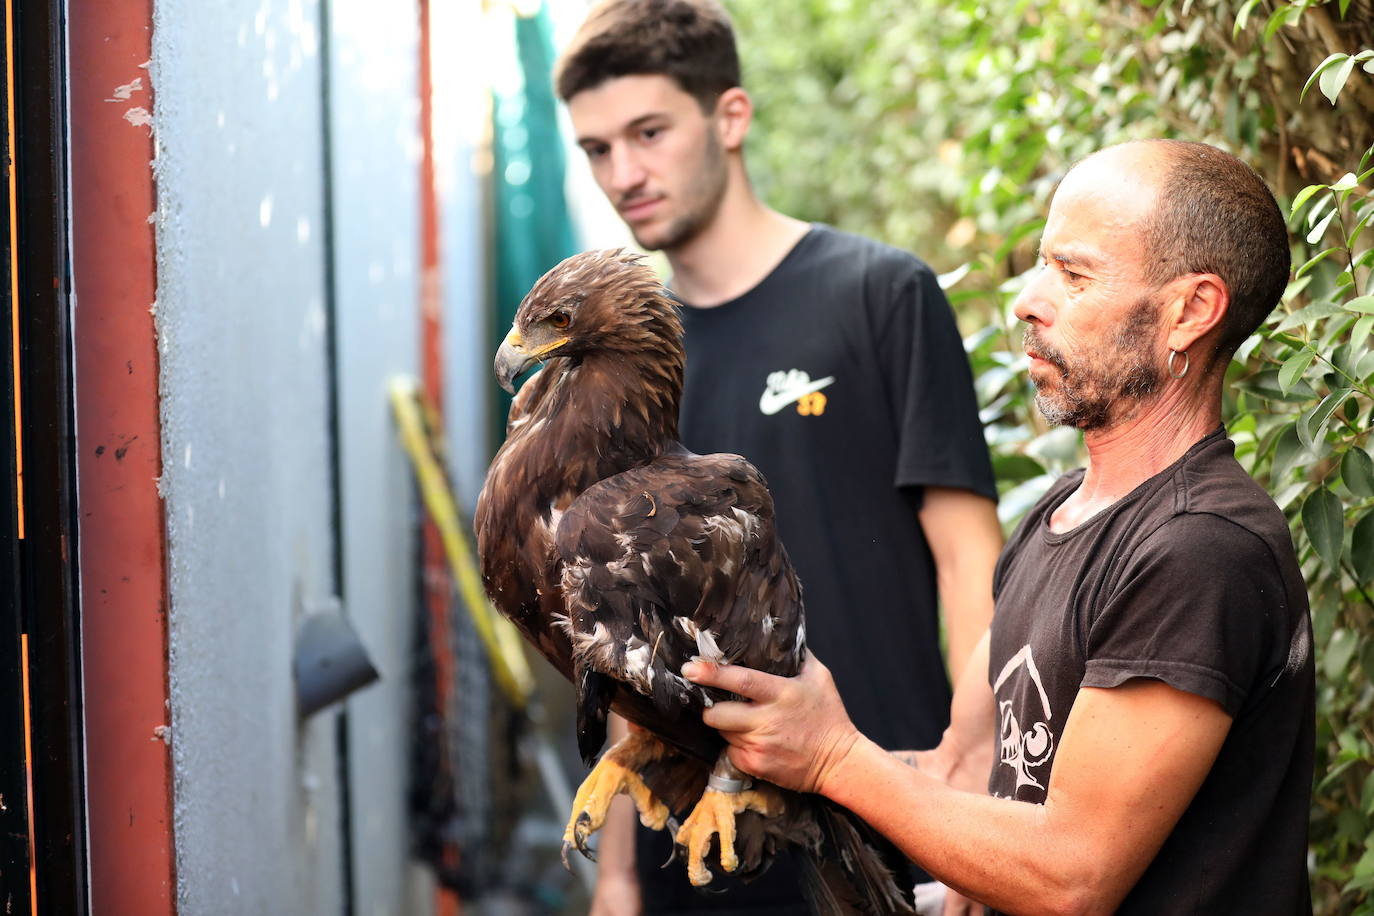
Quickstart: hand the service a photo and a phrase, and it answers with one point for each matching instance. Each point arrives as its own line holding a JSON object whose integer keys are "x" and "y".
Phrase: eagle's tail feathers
{"x": 594, "y": 694}
{"x": 857, "y": 872}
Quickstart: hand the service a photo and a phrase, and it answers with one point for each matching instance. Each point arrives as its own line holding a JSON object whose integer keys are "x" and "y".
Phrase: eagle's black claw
{"x": 671, "y": 857}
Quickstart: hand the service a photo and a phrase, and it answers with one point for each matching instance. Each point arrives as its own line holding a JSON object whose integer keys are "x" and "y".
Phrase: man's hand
{"x": 793, "y": 733}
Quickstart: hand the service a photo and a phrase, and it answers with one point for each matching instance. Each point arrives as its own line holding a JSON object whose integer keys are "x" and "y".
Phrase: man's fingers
{"x": 735, "y": 678}
{"x": 730, "y": 717}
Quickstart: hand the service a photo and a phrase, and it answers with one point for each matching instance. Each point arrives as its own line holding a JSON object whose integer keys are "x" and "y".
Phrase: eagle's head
{"x": 595, "y": 301}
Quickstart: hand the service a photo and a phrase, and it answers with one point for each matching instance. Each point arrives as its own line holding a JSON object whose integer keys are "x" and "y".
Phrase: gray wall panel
{"x": 374, "y": 118}
{"x": 241, "y": 323}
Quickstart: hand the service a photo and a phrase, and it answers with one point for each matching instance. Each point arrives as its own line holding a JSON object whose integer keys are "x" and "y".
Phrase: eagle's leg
{"x": 617, "y": 771}
{"x": 729, "y": 792}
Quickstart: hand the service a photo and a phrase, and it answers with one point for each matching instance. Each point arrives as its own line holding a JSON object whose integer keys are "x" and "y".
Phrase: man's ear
{"x": 1197, "y": 306}
{"x": 734, "y": 114}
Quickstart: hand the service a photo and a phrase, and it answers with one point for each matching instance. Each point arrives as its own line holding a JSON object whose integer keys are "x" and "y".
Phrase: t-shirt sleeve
{"x": 940, "y": 438}
{"x": 1194, "y": 607}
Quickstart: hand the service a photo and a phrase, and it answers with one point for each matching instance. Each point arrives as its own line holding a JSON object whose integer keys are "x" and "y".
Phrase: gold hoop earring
{"x": 1173, "y": 373}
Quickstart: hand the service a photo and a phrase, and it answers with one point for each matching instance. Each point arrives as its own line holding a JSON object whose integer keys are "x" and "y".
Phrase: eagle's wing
{"x": 670, "y": 560}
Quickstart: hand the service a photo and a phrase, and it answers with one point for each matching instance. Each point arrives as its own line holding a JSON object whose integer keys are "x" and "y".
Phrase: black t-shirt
{"x": 843, "y": 379}
{"x": 1191, "y": 580}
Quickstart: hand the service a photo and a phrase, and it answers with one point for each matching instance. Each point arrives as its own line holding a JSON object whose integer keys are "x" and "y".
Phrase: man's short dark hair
{"x": 1216, "y": 215}
{"x": 690, "y": 41}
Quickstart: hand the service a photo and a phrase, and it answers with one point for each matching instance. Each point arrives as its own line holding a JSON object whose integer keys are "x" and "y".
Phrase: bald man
{"x": 1147, "y": 680}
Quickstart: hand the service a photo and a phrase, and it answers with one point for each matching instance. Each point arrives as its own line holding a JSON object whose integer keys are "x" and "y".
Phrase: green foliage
{"x": 942, "y": 125}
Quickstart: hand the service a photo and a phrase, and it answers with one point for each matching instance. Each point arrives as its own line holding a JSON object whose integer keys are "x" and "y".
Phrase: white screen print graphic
{"x": 791, "y": 387}
{"x": 1024, "y": 748}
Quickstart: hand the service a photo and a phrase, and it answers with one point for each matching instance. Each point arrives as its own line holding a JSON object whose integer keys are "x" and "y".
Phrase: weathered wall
{"x": 274, "y": 258}
{"x": 462, "y": 62}
{"x": 241, "y": 318}
{"x": 374, "y": 125}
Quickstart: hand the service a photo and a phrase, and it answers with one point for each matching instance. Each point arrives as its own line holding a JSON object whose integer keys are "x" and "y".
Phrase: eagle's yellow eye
{"x": 560, "y": 320}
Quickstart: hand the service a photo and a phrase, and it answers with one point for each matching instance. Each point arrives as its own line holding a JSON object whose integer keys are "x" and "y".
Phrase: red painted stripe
{"x": 123, "y": 571}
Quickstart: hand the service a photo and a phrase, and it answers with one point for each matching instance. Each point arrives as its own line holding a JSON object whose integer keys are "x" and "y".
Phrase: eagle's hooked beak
{"x": 513, "y": 358}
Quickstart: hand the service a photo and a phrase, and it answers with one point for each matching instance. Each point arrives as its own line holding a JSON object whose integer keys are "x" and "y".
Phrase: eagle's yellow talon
{"x": 714, "y": 815}
{"x": 609, "y": 778}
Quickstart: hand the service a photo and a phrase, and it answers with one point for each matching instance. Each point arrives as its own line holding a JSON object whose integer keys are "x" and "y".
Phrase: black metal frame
{"x": 41, "y": 598}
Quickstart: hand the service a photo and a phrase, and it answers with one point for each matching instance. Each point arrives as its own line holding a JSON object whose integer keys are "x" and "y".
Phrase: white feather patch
{"x": 707, "y": 648}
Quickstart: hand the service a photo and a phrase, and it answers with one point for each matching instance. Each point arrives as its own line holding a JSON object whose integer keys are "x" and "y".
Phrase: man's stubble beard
{"x": 702, "y": 198}
{"x": 1097, "y": 396}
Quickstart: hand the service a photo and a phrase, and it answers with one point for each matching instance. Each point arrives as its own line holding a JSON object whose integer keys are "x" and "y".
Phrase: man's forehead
{"x": 621, "y": 101}
{"x": 1103, "y": 196}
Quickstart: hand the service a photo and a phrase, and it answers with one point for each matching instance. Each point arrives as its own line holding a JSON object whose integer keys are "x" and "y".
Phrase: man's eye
{"x": 650, "y": 133}
{"x": 594, "y": 152}
{"x": 560, "y": 320}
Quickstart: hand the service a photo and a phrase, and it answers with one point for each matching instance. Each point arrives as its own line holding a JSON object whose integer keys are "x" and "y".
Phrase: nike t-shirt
{"x": 843, "y": 379}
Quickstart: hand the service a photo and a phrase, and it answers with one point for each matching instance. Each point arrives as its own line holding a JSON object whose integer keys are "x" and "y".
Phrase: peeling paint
{"x": 162, "y": 733}
{"x": 126, "y": 92}
{"x": 140, "y": 117}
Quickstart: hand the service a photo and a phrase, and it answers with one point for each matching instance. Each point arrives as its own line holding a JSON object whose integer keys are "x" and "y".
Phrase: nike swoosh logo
{"x": 773, "y": 401}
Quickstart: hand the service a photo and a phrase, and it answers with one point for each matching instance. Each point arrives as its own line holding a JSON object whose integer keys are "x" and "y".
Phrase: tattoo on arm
{"x": 907, "y": 757}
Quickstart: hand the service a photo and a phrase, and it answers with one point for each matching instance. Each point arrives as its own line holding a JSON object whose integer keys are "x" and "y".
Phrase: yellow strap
{"x": 504, "y": 645}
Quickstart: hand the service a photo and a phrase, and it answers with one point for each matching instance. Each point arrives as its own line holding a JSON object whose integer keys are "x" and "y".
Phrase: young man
{"x": 830, "y": 361}
{"x": 1148, "y": 680}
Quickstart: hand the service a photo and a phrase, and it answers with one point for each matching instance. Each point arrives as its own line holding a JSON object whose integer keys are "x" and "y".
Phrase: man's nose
{"x": 1033, "y": 303}
{"x": 626, "y": 171}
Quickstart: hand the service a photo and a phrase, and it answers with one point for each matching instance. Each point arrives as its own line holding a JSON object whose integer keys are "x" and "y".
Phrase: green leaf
{"x": 1289, "y": 452}
{"x": 1284, "y": 15}
{"x": 1321, "y": 67}
{"x": 1319, "y": 208}
{"x": 1360, "y": 225}
{"x": 1362, "y": 548}
{"x": 1345, "y": 5}
{"x": 1303, "y": 197}
{"x": 1294, "y": 287}
{"x": 1364, "y": 305}
{"x": 1304, "y": 317}
{"x": 1294, "y": 367}
{"x": 1357, "y": 471}
{"x": 954, "y": 276}
{"x": 1320, "y": 229}
{"x": 1323, "y": 520}
{"x": 1339, "y": 651}
{"x": 1361, "y": 330}
{"x": 1314, "y": 262}
{"x": 1312, "y": 426}
{"x": 1348, "y": 181}
{"x": 1016, "y": 468}
{"x": 1333, "y": 79}
{"x": 1243, "y": 16}
{"x": 1363, "y": 874}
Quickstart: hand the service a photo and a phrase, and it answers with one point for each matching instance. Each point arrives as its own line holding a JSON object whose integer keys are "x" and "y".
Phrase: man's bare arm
{"x": 1129, "y": 761}
{"x": 617, "y": 891}
{"x": 965, "y": 539}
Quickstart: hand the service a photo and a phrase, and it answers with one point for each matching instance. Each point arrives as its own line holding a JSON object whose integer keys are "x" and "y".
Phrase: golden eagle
{"x": 620, "y": 556}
